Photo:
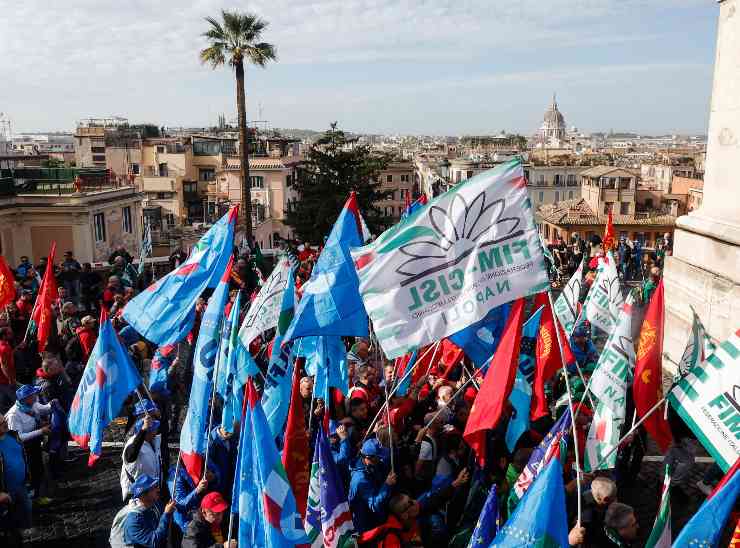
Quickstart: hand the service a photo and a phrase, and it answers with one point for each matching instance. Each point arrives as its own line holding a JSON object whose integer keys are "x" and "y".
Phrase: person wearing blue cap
{"x": 27, "y": 418}
{"x": 142, "y": 522}
{"x": 583, "y": 349}
{"x": 370, "y": 486}
{"x": 141, "y": 453}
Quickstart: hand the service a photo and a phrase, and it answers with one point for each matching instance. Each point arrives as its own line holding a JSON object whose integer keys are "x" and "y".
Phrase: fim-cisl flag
{"x": 469, "y": 250}
{"x": 616, "y": 364}
{"x": 605, "y": 297}
{"x": 698, "y": 347}
{"x": 566, "y": 307}
{"x": 708, "y": 400}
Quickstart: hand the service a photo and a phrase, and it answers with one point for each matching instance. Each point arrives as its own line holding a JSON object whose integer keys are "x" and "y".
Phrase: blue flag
{"x": 276, "y": 395}
{"x": 521, "y": 394}
{"x": 707, "y": 525}
{"x": 165, "y": 311}
{"x": 331, "y": 302}
{"x": 194, "y": 433}
{"x": 227, "y": 383}
{"x": 161, "y": 362}
{"x": 109, "y": 377}
{"x": 328, "y": 365}
{"x": 328, "y": 517}
{"x": 480, "y": 340}
{"x": 268, "y": 515}
{"x": 540, "y": 518}
{"x": 487, "y": 526}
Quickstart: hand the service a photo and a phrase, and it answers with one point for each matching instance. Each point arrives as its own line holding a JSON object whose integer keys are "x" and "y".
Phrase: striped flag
{"x": 660, "y": 537}
{"x": 605, "y": 297}
{"x": 328, "y": 517}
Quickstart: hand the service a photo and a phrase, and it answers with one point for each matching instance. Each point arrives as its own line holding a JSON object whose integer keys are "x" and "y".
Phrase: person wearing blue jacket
{"x": 583, "y": 349}
{"x": 222, "y": 452}
{"x": 186, "y": 494}
{"x": 370, "y": 487}
{"x": 146, "y": 524}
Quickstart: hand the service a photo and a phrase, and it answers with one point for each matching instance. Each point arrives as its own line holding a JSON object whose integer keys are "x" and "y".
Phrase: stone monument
{"x": 704, "y": 272}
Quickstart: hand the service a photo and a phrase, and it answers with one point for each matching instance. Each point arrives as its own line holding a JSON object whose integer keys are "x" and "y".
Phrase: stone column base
{"x": 704, "y": 273}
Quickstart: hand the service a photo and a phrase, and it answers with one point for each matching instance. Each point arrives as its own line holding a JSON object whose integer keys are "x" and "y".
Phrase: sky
{"x": 443, "y": 67}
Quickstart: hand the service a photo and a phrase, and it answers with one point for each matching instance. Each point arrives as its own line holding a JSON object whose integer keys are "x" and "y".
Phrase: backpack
{"x": 116, "y": 530}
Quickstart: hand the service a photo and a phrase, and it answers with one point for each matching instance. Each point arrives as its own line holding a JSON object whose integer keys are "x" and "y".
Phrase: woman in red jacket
{"x": 87, "y": 333}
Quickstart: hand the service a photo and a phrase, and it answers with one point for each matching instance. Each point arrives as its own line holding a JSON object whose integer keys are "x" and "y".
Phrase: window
{"x": 170, "y": 220}
{"x": 572, "y": 180}
{"x": 160, "y": 149}
{"x": 403, "y": 193}
{"x": 206, "y": 174}
{"x": 257, "y": 181}
{"x": 389, "y": 178}
{"x": 97, "y": 150}
{"x": 190, "y": 188}
{"x": 162, "y": 195}
{"x": 99, "y": 226}
{"x": 163, "y": 170}
{"x": 570, "y": 194}
{"x": 127, "y": 226}
{"x": 542, "y": 197}
{"x": 134, "y": 169}
{"x": 624, "y": 208}
{"x": 541, "y": 179}
{"x": 469, "y": 175}
{"x": 607, "y": 207}
{"x": 98, "y": 158}
{"x": 558, "y": 180}
{"x": 405, "y": 178}
{"x": 557, "y": 196}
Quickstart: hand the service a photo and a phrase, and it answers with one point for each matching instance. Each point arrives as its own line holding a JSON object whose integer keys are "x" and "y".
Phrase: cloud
{"x": 87, "y": 52}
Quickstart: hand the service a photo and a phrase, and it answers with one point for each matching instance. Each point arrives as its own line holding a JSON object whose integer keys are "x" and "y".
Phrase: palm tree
{"x": 233, "y": 40}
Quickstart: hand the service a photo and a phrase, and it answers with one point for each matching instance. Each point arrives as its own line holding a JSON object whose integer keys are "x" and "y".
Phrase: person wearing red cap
{"x": 205, "y": 529}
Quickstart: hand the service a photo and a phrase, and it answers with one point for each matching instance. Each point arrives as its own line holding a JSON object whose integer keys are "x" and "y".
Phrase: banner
{"x": 708, "y": 400}
{"x": 605, "y": 297}
{"x": 566, "y": 306}
{"x": 264, "y": 311}
{"x": 471, "y": 249}
{"x": 616, "y": 364}
{"x": 698, "y": 347}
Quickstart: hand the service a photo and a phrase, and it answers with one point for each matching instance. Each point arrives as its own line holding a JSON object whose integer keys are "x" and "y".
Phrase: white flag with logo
{"x": 698, "y": 347}
{"x": 708, "y": 400}
{"x": 447, "y": 265}
{"x": 566, "y": 306}
{"x": 603, "y": 435}
{"x": 264, "y": 311}
{"x": 616, "y": 364}
{"x": 605, "y": 297}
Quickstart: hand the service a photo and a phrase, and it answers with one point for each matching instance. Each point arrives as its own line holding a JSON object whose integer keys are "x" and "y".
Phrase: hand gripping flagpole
{"x": 570, "y": 408}
{"x": 406, "y": 374}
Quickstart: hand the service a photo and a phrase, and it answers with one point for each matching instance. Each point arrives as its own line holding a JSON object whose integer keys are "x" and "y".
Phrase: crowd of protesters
{"x": 410, "y": 478}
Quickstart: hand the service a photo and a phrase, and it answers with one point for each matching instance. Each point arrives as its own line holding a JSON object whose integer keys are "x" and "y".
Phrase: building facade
{"x": 551, "y": 184}
{"x": 607, "y": 188}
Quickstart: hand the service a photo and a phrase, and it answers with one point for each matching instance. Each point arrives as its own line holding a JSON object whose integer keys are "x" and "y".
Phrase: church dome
{"x": 553, "y": 118}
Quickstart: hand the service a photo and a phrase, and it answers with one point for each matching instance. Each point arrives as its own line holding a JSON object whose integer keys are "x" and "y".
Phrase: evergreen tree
{"x": 336, "y": 165}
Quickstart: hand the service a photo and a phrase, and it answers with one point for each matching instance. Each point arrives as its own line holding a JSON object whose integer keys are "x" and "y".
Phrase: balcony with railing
{"x": 58, "y": 181}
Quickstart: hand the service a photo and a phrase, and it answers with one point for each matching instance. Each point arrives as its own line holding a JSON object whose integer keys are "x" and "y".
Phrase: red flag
{"x": 296, "y": 448}
{"x": 7, "y": 285}
{"x": 608, "y": 241}
{"x": 41, "y": 314}
{"x": 451, "y": 356}
{"x": 424, "y": 362}
{"x": 497, "y": 385}
{"x": 647, "y": 386}
{"x": 547, "y": 354}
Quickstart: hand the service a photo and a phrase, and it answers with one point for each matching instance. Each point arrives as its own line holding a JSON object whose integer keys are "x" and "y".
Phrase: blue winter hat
{"x": 142, "y": 484}
{"x": 139, "y": 424}
{"x": 144, "y": 407}
{"x": 27, "y": 390}
{"x": 372, "y": 448}
{"x": 580, "y": 331}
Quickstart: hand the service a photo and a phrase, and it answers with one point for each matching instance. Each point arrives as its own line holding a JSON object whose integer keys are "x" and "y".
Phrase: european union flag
{"x": 487, "y": 526}
{"x": 480, "y": 340}
{"x": 331, "y": 302}
{"x": 707, "y": 525}
{"x": 540, "y": 518}
{"x": 109, "y": 377}
{"x": 165, "y": 311}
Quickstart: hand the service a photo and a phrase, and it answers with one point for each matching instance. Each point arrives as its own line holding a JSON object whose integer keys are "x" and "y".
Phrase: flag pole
{"x": 210, "y": 419}
{"x": 570, "y": 408}
{"x": 393, "y": 391}
{"x": 635, "y": 427}
{"x": 231, "y": 514}
{"x": 446, "y": 404}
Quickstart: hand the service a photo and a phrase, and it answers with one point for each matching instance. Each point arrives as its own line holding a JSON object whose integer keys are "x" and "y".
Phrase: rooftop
{"x": 578, "y": 212}
{"x": 57, "y": 181}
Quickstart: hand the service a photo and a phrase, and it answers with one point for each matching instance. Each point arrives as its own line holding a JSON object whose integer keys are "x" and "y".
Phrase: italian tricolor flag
{"x": 660, "y": 537}
{"x": 602, "y": 437}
